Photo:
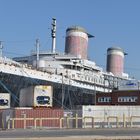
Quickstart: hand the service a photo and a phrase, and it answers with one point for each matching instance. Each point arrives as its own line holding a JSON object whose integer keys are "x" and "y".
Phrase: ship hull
{"x": 65, "y": 96}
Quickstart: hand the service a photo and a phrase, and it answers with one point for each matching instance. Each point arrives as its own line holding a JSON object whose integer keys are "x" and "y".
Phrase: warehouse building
{"x": 127, "y": 97}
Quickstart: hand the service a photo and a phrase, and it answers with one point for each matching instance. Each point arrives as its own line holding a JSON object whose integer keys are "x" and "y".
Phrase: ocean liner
{"x": 74, "y": 78}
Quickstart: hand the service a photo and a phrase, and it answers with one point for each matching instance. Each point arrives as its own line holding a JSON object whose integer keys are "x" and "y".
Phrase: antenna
{"x": 37, "y": 52}
{"x": 53, "y": 35}
{"x": 1, "y": 47}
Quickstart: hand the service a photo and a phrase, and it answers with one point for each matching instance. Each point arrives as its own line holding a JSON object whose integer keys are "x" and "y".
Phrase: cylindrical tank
{"x": 76, "y": 42}
{"x": 115, "y": 60}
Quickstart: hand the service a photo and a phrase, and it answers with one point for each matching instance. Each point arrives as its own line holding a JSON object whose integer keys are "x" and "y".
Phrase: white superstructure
{"x": 69, "y": 71}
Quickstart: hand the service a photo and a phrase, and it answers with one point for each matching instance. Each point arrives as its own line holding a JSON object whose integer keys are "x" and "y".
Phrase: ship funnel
{"x": 53, "y": 35}
{"x": 77, "y": 41}
{"x": 115, "y": 60}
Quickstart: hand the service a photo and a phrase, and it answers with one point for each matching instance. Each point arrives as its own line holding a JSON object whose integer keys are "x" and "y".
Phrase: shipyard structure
{"x": 74, "y": 80}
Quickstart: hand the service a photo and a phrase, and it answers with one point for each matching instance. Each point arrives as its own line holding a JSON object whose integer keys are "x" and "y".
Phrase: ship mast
{"x": 37, "y": 52}
{"x": 1, "y": 47}
{"x": 53, "y": 35}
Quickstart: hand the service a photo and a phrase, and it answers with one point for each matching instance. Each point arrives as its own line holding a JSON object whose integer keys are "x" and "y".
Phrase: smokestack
{"x": 53, "y": 35}
{"x": 77, "y": 41}
{"x": 115, "y": 61}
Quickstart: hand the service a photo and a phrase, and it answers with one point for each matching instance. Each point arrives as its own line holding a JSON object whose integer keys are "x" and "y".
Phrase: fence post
{"x": 76, "y": 120}
{"x": 8, "y": 124}
{"x": 2, "y": 122}
{"x": 117, "y": 119}
{"x": 124, "y": 122}
{"x": 84, "y": 122}
{"x": 92, "y": 122}
{"x": 13, "y": 123}
{"x": 60, "y": 121}
{"x": 35, "y": 123}
{"x": 24, "y": 116}
{"x": 40, "y": 122}
{"x": 67, "y": 120}
{"x": 108, "y": 123}
{"x": 131, "y": 123}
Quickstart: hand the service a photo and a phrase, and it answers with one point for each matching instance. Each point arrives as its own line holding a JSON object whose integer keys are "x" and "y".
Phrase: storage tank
{"x": 4, "y": 100}
{"x": 77, "y": 41}
{"x": 36, "y": 96}
{"x": 115, "y": 60}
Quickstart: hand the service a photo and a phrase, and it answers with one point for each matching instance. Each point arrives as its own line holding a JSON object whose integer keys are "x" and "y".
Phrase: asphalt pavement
{"x": 127, "y": 133}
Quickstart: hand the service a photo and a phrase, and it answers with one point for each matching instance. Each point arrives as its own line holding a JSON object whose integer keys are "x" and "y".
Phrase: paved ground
{"x": 69, "y": 134}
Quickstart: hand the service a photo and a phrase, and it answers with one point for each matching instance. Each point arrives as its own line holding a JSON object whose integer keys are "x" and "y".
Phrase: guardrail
{"x": 77, "y": 122}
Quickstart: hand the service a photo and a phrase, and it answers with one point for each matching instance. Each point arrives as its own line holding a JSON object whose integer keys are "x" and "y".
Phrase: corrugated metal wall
{"x": 31, "y": 113}
{"x": 38, "y": 113}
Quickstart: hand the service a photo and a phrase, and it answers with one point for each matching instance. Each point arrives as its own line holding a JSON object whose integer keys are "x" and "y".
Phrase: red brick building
{"x": 119, "y": 98}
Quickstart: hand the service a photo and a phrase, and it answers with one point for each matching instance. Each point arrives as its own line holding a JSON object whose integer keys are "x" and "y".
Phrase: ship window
{"x": 73, "y": 75}
{"x": 78, "y": 75}
{"x": 88, "y": 78}
{"x": 101, "y": 81}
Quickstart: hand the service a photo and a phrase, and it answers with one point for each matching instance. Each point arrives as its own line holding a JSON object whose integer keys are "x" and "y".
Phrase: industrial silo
{"x": 77, "y": 41}
{"x": 115, "y": 61}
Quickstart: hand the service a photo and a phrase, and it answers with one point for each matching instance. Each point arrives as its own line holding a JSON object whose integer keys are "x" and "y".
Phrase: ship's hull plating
{"x": 64, "y": 95}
